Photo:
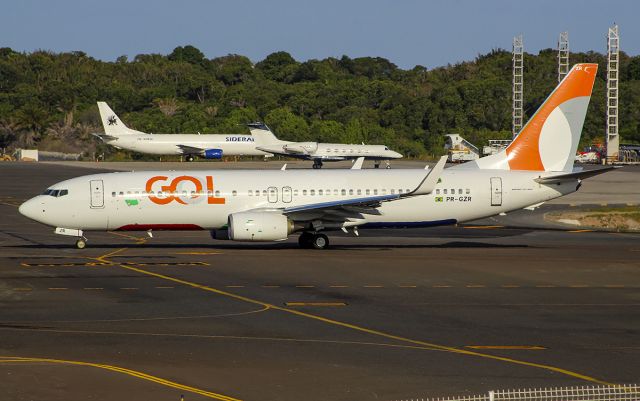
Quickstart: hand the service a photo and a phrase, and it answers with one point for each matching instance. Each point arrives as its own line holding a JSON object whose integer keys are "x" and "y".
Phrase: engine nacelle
{"x": 301, "y": 147}
{"x": 212, "y": 154}
{"x": 259, "y": 226}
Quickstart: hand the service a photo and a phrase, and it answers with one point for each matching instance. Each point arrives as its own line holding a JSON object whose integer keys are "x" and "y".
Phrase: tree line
{"x": 48, "y": 100}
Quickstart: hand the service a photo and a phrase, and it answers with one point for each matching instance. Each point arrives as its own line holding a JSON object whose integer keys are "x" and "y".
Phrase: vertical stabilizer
{"x": 549, "y": 140}
{"x": 263, "y": 134}
{"x": 112, "y": 124}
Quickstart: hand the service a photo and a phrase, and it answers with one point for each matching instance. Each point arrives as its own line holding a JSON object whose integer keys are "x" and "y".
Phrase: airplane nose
{"x": 30, "y": 209}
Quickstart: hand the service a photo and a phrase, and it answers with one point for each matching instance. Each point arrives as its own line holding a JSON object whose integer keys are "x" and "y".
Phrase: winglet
{"x": 430, "y": 181}
{"x": 357, "y": 164}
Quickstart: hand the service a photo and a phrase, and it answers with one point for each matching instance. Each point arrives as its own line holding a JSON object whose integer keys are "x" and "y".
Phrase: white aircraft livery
{"x": 260, "y": 205}
{"x": 208, "y": 146}
{"x": 322, "y": 152}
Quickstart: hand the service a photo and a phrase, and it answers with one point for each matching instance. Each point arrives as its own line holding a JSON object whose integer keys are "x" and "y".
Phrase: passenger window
{"x": 137, "y": 192}
{"x": 351, "y": 192}
{"x": 184, "y": 193}
{"x": 312, "y": 192}
{"x": 319, "y": 192}
{"x": 264, "y": 192}
{"x": 437, "y": 191}
{"x": 408, "y": 190}
{"x": 234, "y": 192}
{"x": 217, "y": 193}
{"x": 113, "y": 194}
{"x": 250, "y": 192}
{"x": 304, "y": 192}
{"x": 335, "y": 192}
{"x": 384, "y": 191}
{"x": 122, "y": 193}
{"x": 343, "y": 192}
{"x": 460, "y": 191}
{"x": 295, "y": 192}
{"x": 453, "y": 192}
{"x": 359, "y": 192}
{"x": 328, "y": 192}
{"x": 193, "y": 193}
{"x": 445, "y": 191}
{"x": 400, "y": 191}
{"x": 375, "y": 192}
{"x": 393, "y": 191}
{"x": 468, "y": 191}
{"x": 368, "y": 191}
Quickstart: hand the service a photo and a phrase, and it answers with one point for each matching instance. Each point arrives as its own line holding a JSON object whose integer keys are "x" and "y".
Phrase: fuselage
{"x": 332, "y": 151}
{"x": 181, "y": 200}
{"x": 170, "y": 144}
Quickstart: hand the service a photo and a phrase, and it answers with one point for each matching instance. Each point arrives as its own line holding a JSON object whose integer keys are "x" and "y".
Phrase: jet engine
{"x": 301, "y": 147}
{"x": 212, "y": 154}
{"x": 259, "y": 226}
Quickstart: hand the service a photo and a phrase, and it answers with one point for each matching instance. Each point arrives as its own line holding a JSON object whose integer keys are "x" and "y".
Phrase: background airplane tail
{"x": 263, "y": 134}
{"x": 112, "y": 124}
{"x": 549, "y": 140}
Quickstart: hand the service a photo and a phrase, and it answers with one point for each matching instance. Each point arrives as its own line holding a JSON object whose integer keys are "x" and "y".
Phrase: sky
{"x": 407, "y": 32}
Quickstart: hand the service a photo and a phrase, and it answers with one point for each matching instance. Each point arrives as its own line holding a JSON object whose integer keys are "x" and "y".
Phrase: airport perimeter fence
{"x": 623, "y": 392}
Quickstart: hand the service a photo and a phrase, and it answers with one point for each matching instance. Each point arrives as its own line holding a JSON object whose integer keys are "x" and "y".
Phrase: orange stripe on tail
{"x": 524, "y": 151}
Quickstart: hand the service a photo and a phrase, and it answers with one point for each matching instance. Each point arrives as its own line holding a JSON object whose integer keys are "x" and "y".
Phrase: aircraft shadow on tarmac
{"x": 266, "y": 246}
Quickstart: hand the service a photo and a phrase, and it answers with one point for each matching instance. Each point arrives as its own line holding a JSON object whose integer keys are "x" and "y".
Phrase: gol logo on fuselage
{"x": 184, "y": 189}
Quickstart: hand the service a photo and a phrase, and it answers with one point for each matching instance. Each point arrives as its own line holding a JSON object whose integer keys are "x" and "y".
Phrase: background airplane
{"x": 258, "y": 205}
{"x": 323, "y": 152}
{"x": 208, "y": 146}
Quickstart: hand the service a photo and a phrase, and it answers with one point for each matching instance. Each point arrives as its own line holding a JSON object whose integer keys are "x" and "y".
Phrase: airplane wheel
{"x": 320, "y": 241}
{"x": 305, "y": 240}
{"x": 80, "y": 243}
{"x": 189, "y": 158}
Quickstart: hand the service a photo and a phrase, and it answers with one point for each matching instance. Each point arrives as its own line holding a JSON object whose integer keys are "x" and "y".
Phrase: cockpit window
{"x": 56, "y": 192}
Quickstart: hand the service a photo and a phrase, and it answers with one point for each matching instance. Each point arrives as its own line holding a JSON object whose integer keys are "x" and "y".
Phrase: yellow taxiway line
{"x": 338, "y": 323}
{"x": 129, "y": 372}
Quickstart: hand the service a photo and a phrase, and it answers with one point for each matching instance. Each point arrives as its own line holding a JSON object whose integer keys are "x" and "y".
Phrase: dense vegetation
{"x": 48, "y": 100}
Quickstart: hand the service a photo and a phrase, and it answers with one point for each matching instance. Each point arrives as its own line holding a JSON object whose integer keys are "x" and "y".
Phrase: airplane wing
{"x": 341, "y": 210}
{"x": 577, "y": 175}
{"x": 187, "y": 150}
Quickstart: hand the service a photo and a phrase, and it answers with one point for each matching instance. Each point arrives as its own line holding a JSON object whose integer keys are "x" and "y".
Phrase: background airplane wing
{"x": 190, "y": 149}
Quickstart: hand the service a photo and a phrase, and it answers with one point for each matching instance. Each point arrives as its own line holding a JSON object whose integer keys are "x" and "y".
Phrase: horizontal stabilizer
{"x": 579, "y": 175}
{"x": 105, "y": 137}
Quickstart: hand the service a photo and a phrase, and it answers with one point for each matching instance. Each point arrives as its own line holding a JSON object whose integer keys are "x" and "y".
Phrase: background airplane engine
{"x": 213, "y": 154}
{"x": 259, "y": 226}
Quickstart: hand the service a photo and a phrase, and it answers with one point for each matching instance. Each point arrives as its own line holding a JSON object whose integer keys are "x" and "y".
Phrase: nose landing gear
{"x": 81, "y": 243}
{"x": 317, "y": 164}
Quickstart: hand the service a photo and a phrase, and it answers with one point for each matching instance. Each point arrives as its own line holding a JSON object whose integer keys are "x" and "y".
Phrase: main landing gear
{"x": 308, "y": 240}
{"x": 317, "y": 164}
{"x": 189, "y": 158}
{"x": 377, "y": 163}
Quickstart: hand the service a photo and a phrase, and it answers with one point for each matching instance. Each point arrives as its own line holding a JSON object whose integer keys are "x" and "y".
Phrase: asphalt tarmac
{"x": 392, "y": 315}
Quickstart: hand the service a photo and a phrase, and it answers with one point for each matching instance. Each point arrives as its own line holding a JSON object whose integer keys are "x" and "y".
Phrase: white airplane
{"x": 208, "y": 146}
{"x": 322, "y": 152}
{"x": 263, "y": 205}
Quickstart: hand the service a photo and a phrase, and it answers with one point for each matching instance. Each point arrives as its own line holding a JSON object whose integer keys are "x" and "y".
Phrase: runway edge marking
{"x": 358, "y": 328}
